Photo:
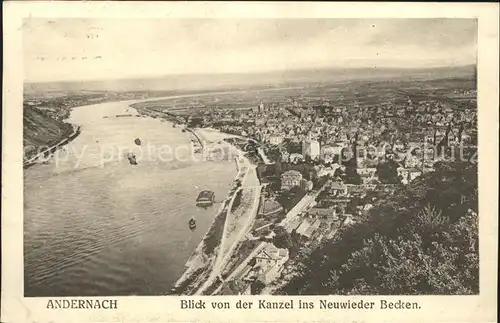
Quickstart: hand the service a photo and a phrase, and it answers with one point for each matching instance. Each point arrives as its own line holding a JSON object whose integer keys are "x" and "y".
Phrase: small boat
{"x": 137, "y": 141}
{"x": 192, "y": 223}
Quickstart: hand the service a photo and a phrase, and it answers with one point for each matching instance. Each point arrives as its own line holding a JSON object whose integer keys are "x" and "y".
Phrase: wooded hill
{"x": 422, "y": 240}
{"x": 40, "y": 129}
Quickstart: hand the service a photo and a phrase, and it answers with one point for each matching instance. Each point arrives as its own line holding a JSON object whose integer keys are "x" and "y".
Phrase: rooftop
{"x": 321, "y": 211}
{"x": 292, "y": 173}
{"x": 337, "y": 186}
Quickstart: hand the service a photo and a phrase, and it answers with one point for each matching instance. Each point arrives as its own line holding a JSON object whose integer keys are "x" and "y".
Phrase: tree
{"x": 252, "y": 262}
{"x": 282, "y": 239}
{"x": 352, "y": 176}
{"x": 288, "y": 199}
{"x": 261, "y": 170}
{"x": 339, "y": 172}
{"x": 431, "y": 217}
{"x": 256, "y": 287}
{"x": 387, "y": 172}
{"x": 278, "y": 168}
{"x": 237, "y": 200}
{"x": 423, "y": 239}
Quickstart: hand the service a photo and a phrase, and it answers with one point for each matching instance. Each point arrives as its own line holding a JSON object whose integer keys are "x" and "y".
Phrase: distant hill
{"x": 180, "y": 83}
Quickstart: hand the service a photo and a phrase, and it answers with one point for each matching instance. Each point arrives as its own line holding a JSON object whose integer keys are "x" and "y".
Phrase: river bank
{"x": 198, "y": 138}
{"x": 198, "y": 267}
{"x": 204, "y": 271}
{"x": 200, "y": 263}
{"x": 97, "y": 131}
{"x": 108, "y": 228}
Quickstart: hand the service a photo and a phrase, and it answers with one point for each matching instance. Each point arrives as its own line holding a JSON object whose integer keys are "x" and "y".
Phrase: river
{"x": 95, "y": 225}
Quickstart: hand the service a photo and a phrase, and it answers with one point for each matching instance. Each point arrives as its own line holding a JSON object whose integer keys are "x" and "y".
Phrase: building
{"x": 328, "y": 159}
{"x": 338, "y": 189}
{"x": 334, "y": 227}
{"x": 325, "y": 171}
{"x": 414, "y": 173}
{"x": 324, "y": 213}
{"x": 275, "y": 140}
{"x": 308, "y": 227}
{"x": 269, "y": 262}
{"x": 403, "y": 173}
{"x": 306, "y": 185}
{"x": 295, "y": 158}
{"x": 330, "y": 154}
{"x": 367, "y": 174}
{"x": 290, "y": 179}
{"x": 331, "y": 150}
{"x": 408, "y": 175}
{"x": 348, "y": 220}
{"x": 260, "y": 121}
{"x": 311, "y": 148}
{"x": 412, "y": 162}
{"x": 259, "y": 108}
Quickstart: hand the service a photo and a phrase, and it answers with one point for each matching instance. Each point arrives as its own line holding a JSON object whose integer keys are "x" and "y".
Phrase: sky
{"x": 89, "y": 49}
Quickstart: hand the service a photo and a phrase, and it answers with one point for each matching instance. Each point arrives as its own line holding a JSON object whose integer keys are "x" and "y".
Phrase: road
{"x": 246, "y": 227}
{"x": 303, "y": 203}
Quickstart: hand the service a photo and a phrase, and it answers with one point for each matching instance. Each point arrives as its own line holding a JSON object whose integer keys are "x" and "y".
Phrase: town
{"x": 324, "y": 155}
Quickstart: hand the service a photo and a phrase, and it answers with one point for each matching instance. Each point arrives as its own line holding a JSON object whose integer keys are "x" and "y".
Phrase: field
{"x": 352, "y": 93}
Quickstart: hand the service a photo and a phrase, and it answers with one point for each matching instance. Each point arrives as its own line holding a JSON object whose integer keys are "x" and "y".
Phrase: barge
{"x": 205, "y": 198}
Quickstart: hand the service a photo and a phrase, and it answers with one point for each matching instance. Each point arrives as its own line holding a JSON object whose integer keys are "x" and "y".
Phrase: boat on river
{"x": 205, "y": 198}
{"x": 192, "y": 223}
{"x": 132, "y": 159}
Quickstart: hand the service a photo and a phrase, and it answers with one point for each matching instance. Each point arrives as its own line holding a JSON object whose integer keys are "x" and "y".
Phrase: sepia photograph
{"x": 249, "y": 162}
{"x": 250, "y": 156}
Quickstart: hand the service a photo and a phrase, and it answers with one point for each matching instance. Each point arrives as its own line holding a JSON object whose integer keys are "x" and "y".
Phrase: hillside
{"x": 41, "y": 130}
{"x": 422, "y": 240}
